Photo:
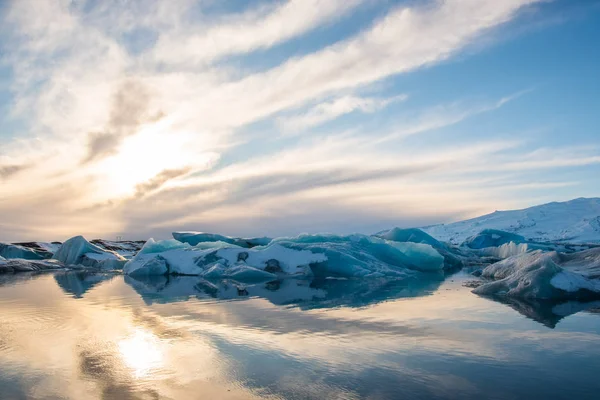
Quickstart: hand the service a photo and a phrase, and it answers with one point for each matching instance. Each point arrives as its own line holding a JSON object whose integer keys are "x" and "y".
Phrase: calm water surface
{"x": 78, "y": 335}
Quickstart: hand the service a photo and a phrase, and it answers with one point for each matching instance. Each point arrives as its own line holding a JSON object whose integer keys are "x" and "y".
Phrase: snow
{"x": 291, "y": 261}
{"x": 78, "y": 251}
{"x": 575, "y": 221}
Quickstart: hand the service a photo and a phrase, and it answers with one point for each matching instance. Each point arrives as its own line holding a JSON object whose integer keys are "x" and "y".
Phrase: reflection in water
{"x": 307, "y": 294}
{"x": 141, "y": 352}
{"x": 547, "y": 312}
{"x": 77, "y": 283}
{"x": 74, "y": 336}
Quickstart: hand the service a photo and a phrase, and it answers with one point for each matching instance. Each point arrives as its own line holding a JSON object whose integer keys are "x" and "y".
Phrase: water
{"x": 80, "y": 335}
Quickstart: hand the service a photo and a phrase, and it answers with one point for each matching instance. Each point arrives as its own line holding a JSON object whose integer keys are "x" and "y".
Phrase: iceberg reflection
{"x": 303, "y": 293}
{"x": 547, "y": 312}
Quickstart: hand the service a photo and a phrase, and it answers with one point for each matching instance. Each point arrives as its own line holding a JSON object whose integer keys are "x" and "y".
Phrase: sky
{"x": 137, "y": 118}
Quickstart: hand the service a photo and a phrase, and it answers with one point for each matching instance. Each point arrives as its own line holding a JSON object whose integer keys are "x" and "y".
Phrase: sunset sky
{"x": 137, "y": 118}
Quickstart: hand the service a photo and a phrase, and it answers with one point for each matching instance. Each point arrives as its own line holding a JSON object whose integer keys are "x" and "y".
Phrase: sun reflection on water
{"x": 142, "y": 352}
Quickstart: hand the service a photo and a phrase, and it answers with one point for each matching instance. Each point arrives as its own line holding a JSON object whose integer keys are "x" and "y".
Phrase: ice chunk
{"x": 194, "y": 238}
{"x": 246, "y": 273}
{"x": 413, "y": 235}
{"x": 218, "y": 270}
{"x": 492, "y": 238}
{"x": 428, "y": 258}
{"x": 328, "y": 255}
{"x": 506, "y": 250}
{"x": 537, "y": 275}
{"x": 146, "y": 265}
{"x": 290, "y": 261}
{"x": 353, "y": 255}
{"x": 21, "y": 265}
{"x": 78, "y": 251}
{"x": 22, "y": 252}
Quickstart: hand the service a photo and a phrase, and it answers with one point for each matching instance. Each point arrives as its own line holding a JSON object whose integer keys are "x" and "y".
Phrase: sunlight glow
{"x": 146, "y": 154}
{"x": 141, "y": 352}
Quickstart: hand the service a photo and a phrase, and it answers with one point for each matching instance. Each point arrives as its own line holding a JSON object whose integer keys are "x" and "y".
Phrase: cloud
{"x": 446, "y": 115}
{"x": 130, "y": 105}
{"x": 7, "y": 171}
{"x": 331, "y": 110}
{"x": 161, "y": 134}
{"x": 160, "y": 179}
{"x": 258, "y": 28}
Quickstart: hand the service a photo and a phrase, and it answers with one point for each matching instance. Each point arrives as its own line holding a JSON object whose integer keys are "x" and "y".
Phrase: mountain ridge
{"x": 572, "y": 221}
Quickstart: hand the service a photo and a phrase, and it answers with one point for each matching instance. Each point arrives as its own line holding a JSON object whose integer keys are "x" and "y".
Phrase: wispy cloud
{"x": 154, "y": 129}
{"x": 331, "y": 110}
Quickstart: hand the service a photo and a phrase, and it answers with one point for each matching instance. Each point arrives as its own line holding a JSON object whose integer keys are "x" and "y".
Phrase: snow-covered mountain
{"x": 574, "y": 221}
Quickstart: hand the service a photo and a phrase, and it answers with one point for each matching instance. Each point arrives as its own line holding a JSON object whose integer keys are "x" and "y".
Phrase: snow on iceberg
{"x": 324, "y": 255}
{"x": 78, "y": 251}
{"x": 548, "y": 275}
{"x": 194, "y": 238}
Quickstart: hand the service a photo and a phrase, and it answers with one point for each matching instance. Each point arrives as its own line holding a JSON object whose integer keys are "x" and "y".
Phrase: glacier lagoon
{"x": 83, "y": 334}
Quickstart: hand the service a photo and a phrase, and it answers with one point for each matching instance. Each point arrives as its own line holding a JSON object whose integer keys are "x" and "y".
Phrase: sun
{"x": 146, "y": 154}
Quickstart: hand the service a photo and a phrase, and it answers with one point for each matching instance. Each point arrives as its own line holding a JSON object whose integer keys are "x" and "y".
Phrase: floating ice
{"x": 506, "y": 250}
{"x": 324, "y": 255}
{"x": 492, "y": 238}
{"x": 358, "y": 255}
{"x": 540, "y": 275}
{"x": 22, "y": 265}
{"x": 78, "y": 251}
{"x": 194, "y": 238}
{"x": 414, "y": 235}
{"x": 23, "y": 252}
{"x": 429, "y": 259}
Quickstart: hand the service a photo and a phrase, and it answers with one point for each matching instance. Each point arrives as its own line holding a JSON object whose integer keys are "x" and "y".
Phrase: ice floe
{"x": 78, "y": 251}
{"x": 544, "y": 275}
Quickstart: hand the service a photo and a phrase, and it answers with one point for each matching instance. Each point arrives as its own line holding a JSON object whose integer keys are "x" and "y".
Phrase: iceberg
{"x": 545, "y": 275}
{"x": 361, "y": 256}
{"x": 429, "y": 258}
{"x": 125, "y": 248}
{"x": 492, "y": 238}
{"x": 194, "y": 238}
{"x": 23, "y": 252}
{"x": 304, "y": 255}
{"x": 506, "y": 250}
{"x": 414, "y": 235}
{"x": 22, "y": 265}
{"x": 78, "y": 251}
